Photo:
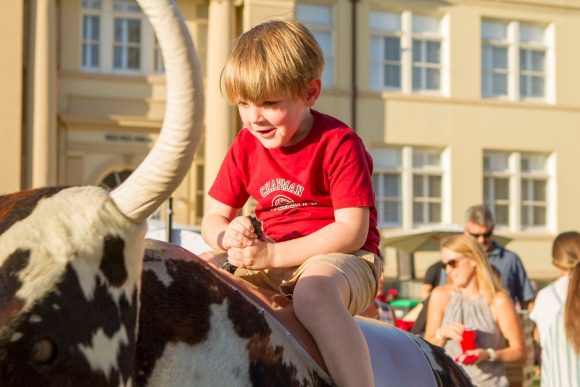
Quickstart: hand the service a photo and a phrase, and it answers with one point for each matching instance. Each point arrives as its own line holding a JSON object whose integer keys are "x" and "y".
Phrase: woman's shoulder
{"x": 442, "y": 293}
{"x": 501, "y": 299}
{"x": 439, "y": 299}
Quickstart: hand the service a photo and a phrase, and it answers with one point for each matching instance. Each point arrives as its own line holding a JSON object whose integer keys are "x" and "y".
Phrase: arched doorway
{"x": 115, "y": 178}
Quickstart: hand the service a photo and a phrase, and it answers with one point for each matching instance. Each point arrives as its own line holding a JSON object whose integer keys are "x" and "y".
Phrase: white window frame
{"x": 200, "y": 32}
{"x": 406, "y": 36}
{"x": 516, "y": 176}
{"x": 317, "y": 27}
{"x": 92, "y": 13}
{"x": 425, "y": 173}
{"x": 407, "y": 171}
{"x": 124, "y": 46}
{"x": 383, "y": 167}
{"x": 490, "y": 176}
{"x": 107, "y": 24}
{"x": 514, "y": 72}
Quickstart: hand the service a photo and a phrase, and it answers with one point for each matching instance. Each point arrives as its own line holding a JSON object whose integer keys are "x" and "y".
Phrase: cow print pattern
{"x": 44, "y": 346}
{"x": 16, "y": 207}
{"x": 181, "y": 312}
{"x": 113, "y": 262}
{"x": 10, "y": 305}
{"x": 64, "y": 308}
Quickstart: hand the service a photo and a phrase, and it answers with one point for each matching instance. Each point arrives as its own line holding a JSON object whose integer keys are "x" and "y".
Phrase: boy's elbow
{"x": 358, "y": 239}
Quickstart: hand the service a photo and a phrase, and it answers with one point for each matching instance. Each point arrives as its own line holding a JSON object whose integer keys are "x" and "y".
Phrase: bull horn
{"x": 171, "y": 157}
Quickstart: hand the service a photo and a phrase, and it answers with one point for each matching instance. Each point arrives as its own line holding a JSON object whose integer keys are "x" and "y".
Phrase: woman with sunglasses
{"x": 556, "y": 314}
{"x": 473, "y": 299}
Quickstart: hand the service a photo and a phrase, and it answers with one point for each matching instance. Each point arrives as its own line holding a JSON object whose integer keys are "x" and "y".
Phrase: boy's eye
{"x": 270, "y": 103}
{"x": 242, "y": 103}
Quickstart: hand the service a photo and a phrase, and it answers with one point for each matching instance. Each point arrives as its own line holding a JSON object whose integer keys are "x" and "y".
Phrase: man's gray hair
{"x": 481, "y": 215}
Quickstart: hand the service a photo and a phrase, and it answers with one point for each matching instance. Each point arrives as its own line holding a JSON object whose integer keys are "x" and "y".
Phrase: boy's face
{"x": 280, "y": 120}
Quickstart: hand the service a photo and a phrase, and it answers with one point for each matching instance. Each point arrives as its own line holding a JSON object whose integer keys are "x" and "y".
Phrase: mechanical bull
{"x": 72, "y": 276}
{"x": 80, "y": 306}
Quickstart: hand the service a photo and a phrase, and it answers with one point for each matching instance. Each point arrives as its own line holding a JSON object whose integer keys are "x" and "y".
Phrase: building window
{"x": 91, "y": 34}
{"x": 427, "y": 186}
{"x": 117, "y": 38}
{"x": 496, "y": 186}
{"x": 127, "y": 44}
{"x": 517, "y": 187}
{"x": 406, "y": 52}
{"x": 199, "y": 32}
{"x": 515, "y": 60}
{"x": 387, "y": 184}
{"x": 319, "y": 20}
{"x": 409, "y": 186}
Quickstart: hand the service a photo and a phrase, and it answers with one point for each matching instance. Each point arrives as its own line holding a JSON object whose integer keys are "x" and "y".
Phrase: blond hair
{"x": 467, "y": 246}
{"x": 566, "y": 256}
{"x": 273, "y": 58}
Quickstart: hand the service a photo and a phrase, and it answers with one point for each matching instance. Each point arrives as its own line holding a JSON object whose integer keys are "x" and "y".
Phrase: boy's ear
{"x": 313, "y": 89}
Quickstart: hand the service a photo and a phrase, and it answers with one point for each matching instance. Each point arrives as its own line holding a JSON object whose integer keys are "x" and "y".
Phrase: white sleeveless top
{"x": 560, "y": 363}
{"x": 476, "y": 314}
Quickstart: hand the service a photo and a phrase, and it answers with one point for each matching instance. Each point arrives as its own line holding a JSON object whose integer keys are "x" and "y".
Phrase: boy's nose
{"x": 254, "y": 114}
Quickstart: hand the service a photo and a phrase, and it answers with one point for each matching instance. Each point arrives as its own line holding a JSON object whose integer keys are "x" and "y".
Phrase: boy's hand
{"x": 240, "y": 233}
{"x": 258, "y": 256}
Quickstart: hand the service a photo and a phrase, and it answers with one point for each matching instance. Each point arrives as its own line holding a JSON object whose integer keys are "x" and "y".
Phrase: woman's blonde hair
{"x": 566, "y": 256}
{"x": 467, "y": 246}
{"x": 275, "y": 58}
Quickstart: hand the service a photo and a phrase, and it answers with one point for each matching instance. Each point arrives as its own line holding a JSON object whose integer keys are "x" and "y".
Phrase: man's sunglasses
{"x": 453, "y": 262}
{"x": 485, "y": 235}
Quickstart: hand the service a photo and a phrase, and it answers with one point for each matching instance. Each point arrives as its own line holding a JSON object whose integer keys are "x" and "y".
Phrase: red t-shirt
{"x": 298, "y": 187}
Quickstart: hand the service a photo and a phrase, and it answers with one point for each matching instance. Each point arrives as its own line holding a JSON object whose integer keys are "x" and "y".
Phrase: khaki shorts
{"x": 361, "y": 269}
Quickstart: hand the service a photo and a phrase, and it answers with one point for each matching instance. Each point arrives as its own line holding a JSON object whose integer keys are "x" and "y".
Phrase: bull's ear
{"x": 171, "y": 157}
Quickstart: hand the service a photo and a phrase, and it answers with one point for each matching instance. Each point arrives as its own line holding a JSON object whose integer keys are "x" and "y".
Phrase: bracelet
{"x": 438, "y": 334}
{"x": 492, "y": 354}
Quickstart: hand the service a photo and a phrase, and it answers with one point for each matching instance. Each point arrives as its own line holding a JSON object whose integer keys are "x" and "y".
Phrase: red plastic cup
{"x": 469, "y": 340}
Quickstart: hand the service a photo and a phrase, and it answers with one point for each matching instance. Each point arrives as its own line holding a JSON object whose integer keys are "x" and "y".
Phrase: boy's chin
{"x": 270, "y": 143}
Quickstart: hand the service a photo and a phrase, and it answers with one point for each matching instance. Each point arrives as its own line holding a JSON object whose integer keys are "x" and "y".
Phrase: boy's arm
{"x": 346, "y": 234}
{"x": 221, "y": 229}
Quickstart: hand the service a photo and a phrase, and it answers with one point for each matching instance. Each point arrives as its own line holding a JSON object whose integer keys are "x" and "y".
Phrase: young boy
{"x": 311, "y": 177}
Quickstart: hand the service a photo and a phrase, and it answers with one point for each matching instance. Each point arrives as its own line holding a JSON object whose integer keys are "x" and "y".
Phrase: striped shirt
{"x": 560, "y": 363}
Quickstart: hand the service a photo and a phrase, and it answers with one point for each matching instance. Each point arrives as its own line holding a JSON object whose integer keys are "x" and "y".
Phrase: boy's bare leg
{"x": 320, "y": 299}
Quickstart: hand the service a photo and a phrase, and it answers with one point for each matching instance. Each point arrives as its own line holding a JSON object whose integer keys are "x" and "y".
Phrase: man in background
{"x": 479, "y": 223}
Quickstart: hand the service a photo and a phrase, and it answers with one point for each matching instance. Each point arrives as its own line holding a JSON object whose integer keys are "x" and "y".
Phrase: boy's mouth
{"x": 266, "y": 132}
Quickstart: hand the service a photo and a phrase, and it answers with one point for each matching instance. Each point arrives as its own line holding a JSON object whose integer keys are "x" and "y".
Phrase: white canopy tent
{"x": 422, "y": 239}
{"x": 427, "y": 238}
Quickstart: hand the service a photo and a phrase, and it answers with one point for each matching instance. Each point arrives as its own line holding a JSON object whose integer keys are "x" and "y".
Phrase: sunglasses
{"x": 453, "y": 262}
{"x": 485, "y": 235}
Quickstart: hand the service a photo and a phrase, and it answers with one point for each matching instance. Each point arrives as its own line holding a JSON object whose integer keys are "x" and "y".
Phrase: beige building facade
{"x": 460, "y": 102}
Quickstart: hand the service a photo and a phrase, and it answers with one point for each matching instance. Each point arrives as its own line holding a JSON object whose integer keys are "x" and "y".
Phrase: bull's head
{"x": 70, "y": 258}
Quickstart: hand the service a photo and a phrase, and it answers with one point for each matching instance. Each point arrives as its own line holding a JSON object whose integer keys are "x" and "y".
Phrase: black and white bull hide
{"x": 71, "y": 275}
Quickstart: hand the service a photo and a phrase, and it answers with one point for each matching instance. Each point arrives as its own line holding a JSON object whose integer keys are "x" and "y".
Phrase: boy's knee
{"x": 313, "y": 294}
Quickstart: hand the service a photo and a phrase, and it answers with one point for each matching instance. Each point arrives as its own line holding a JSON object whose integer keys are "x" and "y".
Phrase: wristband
{"x": 492, "y": 354}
